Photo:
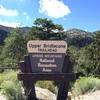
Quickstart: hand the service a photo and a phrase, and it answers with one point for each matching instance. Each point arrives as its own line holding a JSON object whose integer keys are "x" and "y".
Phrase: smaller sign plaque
{"x": 46, "y": 56}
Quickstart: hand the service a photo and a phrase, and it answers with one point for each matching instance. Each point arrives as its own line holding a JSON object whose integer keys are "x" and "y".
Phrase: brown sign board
{"x": 46, "y": 56}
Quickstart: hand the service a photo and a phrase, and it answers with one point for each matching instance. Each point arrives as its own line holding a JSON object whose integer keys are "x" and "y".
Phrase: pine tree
{"x": 13, "y": 49}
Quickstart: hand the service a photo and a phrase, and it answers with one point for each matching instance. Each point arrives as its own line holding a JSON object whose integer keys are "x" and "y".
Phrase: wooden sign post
{"x": 46, "y": 60}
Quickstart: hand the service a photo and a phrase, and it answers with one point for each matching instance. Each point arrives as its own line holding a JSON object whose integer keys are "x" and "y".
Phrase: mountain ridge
{"x": 78, "y": 38}
{"x": 74, "y": 36}
{"x": 5, "y": 31}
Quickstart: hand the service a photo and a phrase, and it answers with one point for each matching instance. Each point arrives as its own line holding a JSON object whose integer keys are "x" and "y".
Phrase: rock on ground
{"x": 44, "y": 94}
{"x": 2, "y": 97}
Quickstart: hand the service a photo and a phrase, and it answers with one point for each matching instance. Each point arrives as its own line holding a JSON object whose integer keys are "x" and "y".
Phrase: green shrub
{"x": 11, "y": 90}
{"x": 10, "y": 86}
{"x": 8, "y": 75}
{"x": 46, "y": 84}
{"x": 1, "y": 78}
{"x": 85, "y": 84}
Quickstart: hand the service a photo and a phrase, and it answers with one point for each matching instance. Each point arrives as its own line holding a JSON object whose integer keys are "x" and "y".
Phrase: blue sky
{"x": 82, "y": 14}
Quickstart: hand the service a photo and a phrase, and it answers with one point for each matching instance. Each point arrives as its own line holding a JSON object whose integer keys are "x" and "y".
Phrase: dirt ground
{"x": 90, "y": 96}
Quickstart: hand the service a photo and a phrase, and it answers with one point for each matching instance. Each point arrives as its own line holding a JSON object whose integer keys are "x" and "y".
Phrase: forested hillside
{"x": 78, "y": 37}
{"x": 75, "y": 37}
{"x": 5, "y": 31}
{"x": 3, "y": 35}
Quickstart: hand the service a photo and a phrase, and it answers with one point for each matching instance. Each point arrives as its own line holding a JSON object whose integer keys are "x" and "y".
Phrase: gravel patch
{"x": 89, "y": 96}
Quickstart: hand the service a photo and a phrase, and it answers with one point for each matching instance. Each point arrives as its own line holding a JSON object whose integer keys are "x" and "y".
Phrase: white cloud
{"x": 24, "y": 13}
{"x": 7, "y": 12}
{"x": 10, "y": 24}
{"x": 27, "y": 17}
{"x": 54, "y": 8}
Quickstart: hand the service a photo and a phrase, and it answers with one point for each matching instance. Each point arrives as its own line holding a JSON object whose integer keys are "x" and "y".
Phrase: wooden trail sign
{"x": 47, "y": 56}
{"x": 46, "y": 60}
